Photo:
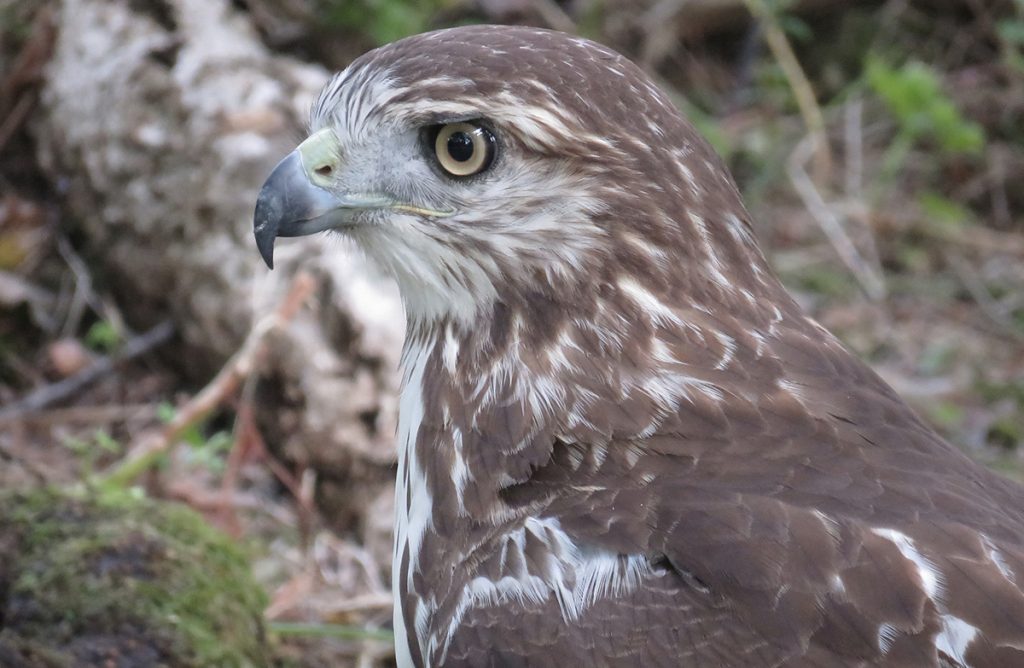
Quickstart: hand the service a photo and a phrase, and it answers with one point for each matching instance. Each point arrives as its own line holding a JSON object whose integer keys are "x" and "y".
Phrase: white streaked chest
{"x": 412, "y": 497}
{"x": 563, "y": 573}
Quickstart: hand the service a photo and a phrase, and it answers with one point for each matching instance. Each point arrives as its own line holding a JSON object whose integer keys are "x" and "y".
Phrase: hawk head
{"x": 496, "y": 165}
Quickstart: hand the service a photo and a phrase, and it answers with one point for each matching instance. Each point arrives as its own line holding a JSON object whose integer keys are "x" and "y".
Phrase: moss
{"x": 115, "y": 580}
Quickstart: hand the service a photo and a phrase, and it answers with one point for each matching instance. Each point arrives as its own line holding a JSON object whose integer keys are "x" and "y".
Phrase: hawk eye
{"x": 464, "y": 149}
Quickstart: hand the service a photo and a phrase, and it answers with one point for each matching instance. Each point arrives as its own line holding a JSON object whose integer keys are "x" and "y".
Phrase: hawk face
{"x": 485, "y": 164}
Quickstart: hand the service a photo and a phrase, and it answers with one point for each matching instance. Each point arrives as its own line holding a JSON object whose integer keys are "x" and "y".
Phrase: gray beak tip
{"x": 265, "y": 229}
{"x": 265, "y": 237}
{"x": 267, "y": 254}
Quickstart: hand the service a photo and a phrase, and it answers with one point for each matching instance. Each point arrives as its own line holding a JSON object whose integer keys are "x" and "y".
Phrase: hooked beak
{"x": 295, "y": 200}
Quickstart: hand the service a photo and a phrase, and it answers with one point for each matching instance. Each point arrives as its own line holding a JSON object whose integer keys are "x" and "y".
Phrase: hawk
{"x": 621, "y": 442}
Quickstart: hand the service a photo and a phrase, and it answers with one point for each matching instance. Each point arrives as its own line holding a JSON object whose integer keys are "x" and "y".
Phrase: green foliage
{"x": 913, "y": 94}
{"x": 165, "y": 412}
{"x": 710, "y": 128}
{"x": 944, "y": 212}
{"x": 773, "y": 88}
{"x": 774, "y": 8}
{"x": 1011, "y": 34}
{"x": 382, "y": 20}
{"x": 210, "y": 452}
{"x": 1008, "y": 430}
{"x": 591, "y": 20}
{"x": 947, "y": 414}
{"x": 16, "y": 22}
{"x": 828, "y": 280}
{"x": 999, "y": 391}
{"x": 89, "y": 451}
{"x": 796, "y": 28}
{"x": 103, "y": 337}
{"x": 205, "y": 449}
{"x": 106, "y": 442}
{"x": 779, "y": 10}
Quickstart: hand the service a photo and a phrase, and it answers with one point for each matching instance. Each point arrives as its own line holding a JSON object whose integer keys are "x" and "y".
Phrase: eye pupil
{"x": 460, "y": 146}
{"x": 464, "y": 148}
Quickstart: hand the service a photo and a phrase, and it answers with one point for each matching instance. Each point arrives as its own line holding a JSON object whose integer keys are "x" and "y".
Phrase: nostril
{"x": 324, "y": 170}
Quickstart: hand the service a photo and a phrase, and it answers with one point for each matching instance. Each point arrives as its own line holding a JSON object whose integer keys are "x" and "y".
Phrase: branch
{"x": 869, "y": 277}
{"x": 802, "y": 90}
{"x": 51, "y": 394}
{"x": 151, "y": 447}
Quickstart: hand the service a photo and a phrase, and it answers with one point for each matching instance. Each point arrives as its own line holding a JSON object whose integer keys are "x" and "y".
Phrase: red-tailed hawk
{"x": 621, "y": 442}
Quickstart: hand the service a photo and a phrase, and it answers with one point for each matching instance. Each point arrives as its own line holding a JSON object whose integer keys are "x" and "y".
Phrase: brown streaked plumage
{"x": 621, "y": 442}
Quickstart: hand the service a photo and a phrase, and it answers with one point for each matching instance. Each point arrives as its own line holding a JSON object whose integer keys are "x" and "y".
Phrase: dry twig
{"x": 801, "y": 86}
{"x": 248, "y": 445}
{"x": 869, "y": 277}
{"x": 554, "y": 15}
{"x": 149, "y": 448}
{"x": 51, "y": 394}
{"x": 85, "y": 415}
{"x": 83, "y": 294}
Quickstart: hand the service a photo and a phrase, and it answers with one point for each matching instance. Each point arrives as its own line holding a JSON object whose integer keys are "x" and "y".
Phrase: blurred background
{"x": 146, "y": 353}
